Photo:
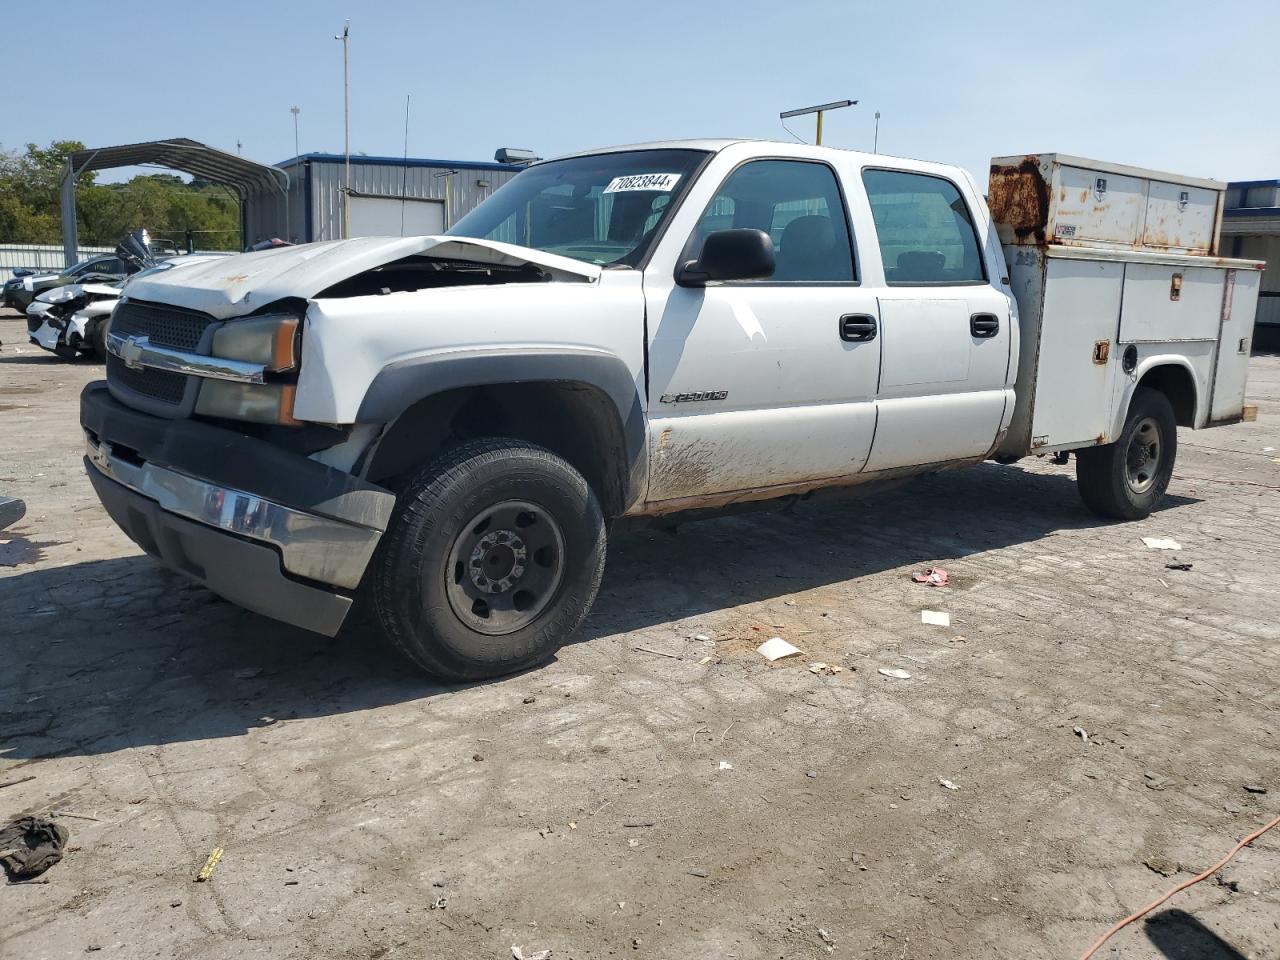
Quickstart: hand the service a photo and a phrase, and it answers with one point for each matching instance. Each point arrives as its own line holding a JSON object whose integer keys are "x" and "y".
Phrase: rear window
{"x": 925, "y": 229}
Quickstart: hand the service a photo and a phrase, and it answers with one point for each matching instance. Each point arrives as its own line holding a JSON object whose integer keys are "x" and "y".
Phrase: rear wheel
{"x": 493, "y": 558}
{"x": 1125, "y": 480}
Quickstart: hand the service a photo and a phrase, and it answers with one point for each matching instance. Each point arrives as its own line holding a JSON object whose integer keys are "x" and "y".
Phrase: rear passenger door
{"x": 751, "y": 384}
{"x": 945, "y": 372}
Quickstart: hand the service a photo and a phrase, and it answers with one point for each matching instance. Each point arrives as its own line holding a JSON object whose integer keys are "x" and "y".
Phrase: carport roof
{"x": 189, "y": 156}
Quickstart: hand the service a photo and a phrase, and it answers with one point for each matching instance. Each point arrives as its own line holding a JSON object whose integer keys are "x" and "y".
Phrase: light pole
{"x": 346, "y": 125}
{"x": 820, "y": 109}
{"x": 297, "y": 110}
{"x": 875, "y": 146}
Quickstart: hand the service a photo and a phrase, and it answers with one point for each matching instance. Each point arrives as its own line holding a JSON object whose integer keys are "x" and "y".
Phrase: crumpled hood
{"x": 72, "y": 290}
{"x": 232, "y": 286}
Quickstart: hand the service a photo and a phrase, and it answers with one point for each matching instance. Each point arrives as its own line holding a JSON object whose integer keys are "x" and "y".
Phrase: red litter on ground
{"x": 934, "y": 577}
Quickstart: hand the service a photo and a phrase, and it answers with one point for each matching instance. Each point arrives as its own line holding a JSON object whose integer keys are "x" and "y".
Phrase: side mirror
{"x": 739, "y": 254}
{"x": 22, "y": 272}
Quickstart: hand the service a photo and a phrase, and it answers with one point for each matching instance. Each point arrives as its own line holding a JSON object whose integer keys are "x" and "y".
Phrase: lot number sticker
{"x": 664, "y": 182}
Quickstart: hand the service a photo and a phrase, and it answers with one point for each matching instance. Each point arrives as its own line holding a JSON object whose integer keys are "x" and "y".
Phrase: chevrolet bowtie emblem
{"x": 131, "y": 352}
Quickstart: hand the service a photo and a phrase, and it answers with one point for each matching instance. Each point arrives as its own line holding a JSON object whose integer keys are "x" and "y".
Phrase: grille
{"x": 165, "y": 327}
{"x": 156, "y": 384}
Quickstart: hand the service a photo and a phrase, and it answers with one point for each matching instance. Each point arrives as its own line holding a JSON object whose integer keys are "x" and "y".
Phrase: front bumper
{"x": 270, "y": 530}
{"x": 45, "y": 335}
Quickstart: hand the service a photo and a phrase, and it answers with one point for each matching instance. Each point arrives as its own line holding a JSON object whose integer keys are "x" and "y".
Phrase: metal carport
{"x": 263, "y": 190}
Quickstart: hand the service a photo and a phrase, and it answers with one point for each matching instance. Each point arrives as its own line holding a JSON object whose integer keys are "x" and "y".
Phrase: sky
{"x": 1184, "y": 87}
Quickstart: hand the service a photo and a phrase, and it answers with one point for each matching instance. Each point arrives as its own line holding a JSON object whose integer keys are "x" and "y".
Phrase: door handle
{"x": 857, "y": 327}
{"x": 984, "y": 325}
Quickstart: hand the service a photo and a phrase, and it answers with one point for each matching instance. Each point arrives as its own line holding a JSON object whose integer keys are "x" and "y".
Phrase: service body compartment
{"x": 1079, "y": 310}
{"x": 1231, "y": 367}
{"x": 1055, "y": 198}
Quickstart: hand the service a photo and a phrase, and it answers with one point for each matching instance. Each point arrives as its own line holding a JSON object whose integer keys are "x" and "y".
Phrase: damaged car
{"x": 103, "y": 269}
{"x": 71, "y": 321}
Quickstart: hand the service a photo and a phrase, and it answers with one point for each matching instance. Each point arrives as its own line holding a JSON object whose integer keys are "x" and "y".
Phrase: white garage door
{"x": 387, "y": 217}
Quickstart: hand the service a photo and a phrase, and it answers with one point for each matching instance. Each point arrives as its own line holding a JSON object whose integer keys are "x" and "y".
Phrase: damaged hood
{"x": 231, "y": 286}
{"x": 71, "y": 291}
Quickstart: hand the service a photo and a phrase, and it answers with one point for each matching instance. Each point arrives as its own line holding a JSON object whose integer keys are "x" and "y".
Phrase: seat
{"x": 920, "y": 266}
{"x": 807, "y": 251}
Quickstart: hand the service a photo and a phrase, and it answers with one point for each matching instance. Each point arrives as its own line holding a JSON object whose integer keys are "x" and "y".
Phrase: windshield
{"x": 604, "y": 209}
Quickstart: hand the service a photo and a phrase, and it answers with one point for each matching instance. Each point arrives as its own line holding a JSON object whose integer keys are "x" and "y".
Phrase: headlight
{"x": 60, "y": 295}
{"x": 259, "y": 402}
{"x": 271, "y": 341}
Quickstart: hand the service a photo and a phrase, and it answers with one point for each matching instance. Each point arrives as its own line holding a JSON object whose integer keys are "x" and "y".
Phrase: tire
{"x": 1125, "y": 480}
{"x": 492, "y": 559}
{"x": 98, "y": 340}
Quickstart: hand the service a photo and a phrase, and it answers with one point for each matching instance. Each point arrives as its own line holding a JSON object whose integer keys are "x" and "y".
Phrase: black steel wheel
{"x": 493, "y": 557}
{"x": 1125, "y": 480}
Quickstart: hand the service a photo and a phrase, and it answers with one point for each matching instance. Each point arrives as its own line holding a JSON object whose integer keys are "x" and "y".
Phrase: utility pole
{"x": 238, "y": 145}
{"x": 875, "y": 147}
{"x": 297, "y": 110}
{"x": 820, "y": 109}
{"x": 346, "y": 125}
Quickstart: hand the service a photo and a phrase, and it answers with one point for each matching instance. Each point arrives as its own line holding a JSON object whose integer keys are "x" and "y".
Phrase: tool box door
{"x": 1078, "y": 362}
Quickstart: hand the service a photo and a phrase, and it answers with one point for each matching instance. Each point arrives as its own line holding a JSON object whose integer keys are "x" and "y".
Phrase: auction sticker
{"x": 664, "y": 182}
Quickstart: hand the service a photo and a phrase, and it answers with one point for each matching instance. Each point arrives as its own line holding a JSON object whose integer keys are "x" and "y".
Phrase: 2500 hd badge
{"x": 696, "y": 395}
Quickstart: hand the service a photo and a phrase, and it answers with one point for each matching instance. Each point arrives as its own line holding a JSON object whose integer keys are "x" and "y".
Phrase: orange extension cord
{"x": 1178, "y": 889}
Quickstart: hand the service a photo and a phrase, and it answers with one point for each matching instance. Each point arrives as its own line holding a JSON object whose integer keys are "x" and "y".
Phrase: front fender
{"x": 406, "y": 382}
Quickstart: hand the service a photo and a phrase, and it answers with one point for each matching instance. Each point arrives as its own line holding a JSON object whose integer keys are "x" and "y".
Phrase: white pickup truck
{"x": 448, "y": 424}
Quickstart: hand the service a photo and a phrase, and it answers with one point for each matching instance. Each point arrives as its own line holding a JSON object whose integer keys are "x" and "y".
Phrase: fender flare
{"x": 1145, "y": 366}
{"x": 404, "y": 383}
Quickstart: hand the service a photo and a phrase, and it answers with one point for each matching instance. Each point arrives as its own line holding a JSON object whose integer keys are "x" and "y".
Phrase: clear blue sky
{"x": 1180, "y": 86}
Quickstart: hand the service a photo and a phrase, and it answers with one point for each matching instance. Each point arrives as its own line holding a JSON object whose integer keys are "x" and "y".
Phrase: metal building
{"x": 1251, "y": 229}
{"x": 390, "y": 196}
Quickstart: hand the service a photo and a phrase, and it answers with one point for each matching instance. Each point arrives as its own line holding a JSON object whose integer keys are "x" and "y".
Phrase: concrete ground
{"x": 590, "y": 808}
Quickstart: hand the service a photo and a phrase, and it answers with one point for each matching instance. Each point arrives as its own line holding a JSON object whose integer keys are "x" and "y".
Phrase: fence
{"x": 43, "y": 257}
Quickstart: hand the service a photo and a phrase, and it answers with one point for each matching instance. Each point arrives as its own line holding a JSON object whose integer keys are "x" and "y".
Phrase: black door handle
{"x": 857, "y": 327}
{"x": 984, "y": 325}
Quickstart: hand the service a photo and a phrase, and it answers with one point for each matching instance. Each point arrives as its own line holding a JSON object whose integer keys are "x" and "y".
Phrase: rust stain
{"x": 1019, "y": 198}
{"x": 662, "y": 440}
{"x": 1101, "y": 439}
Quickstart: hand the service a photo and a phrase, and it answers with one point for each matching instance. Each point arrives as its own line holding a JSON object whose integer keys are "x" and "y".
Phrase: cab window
{"x": 798, "y": 204}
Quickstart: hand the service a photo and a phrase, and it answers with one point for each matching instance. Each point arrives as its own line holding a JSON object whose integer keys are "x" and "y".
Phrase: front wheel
{"x": 1125, "y": 480}
{"x": 493, "y": 557}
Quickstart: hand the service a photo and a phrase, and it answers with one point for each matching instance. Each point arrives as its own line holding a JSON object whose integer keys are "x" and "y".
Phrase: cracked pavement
{"x": 581, "y": 807}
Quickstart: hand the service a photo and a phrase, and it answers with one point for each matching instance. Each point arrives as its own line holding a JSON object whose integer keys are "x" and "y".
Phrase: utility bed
{"x": 1111, "y": 267}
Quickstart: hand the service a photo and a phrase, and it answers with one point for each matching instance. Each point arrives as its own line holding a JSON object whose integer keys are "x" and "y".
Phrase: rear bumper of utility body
{"x": 270, "y": 530}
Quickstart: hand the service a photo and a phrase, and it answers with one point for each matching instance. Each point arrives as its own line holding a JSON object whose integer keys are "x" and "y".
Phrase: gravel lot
{"x": 586, "y": 808}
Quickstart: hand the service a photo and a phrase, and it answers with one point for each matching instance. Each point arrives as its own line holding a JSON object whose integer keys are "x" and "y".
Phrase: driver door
{"x": 764, "y": 383}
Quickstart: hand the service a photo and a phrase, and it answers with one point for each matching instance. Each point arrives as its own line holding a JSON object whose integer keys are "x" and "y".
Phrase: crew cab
{"x": 447, "y": 425}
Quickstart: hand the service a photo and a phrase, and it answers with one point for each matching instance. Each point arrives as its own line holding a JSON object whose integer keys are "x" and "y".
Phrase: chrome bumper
{"x": 310, "y": 546}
